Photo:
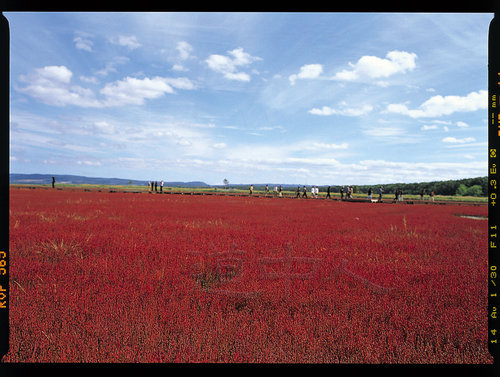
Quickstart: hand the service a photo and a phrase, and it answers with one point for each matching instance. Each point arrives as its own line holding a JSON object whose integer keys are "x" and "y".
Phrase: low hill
{"x": 41, "y": 179}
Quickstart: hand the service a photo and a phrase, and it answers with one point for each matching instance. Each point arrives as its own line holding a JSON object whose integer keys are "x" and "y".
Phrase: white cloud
{"x": 219, "y": 145}
{"x": 104, "y": 127}
{"x": 312, "y": 161}
{"x": 460, "y": 141}
{"x": 89, "y": 80}
{"x": 308, "y": 71}
{"x": 179, "y": 68}
{"x": 89, "y": 163}
{"x": 354, "y": 111}
{"x": 462, "y": 124}
{"x": 372, "y": 67}
{"x": 51, "y": 85}
{"x": 129, "y": 41}
{"x": 438, "y": 105}
{"x": 381, "y": 171}
{"x": 229, "y": 65}
{"x": 242, "y": 58}
{"x": 199, "y": 125}
{"x": 184, "y": 49}
{"x": 238, "y": 76}
{"x": 468, "y": 145}
{"x": 83, "y": 44}
{"x": 446, "y": 122}
{"x": 221, "y": 63}
{"x": 48, "y": 74}
{"x": 180, "y": 83}
{"x": 170, "y": 137}
{"x": 366, "y": 68}
{"x": 392, "y": 135}
{"x": 431, "y": 127}
{"x": 110, "y": 66}
{"x": 275, "y": 155}
{"x": 272, "y": 128}
{"x": 384, "y": 131}
{"x": 320, "y": 146}
{"x": 134, "y": 91}
{"x": 183, "y": 142}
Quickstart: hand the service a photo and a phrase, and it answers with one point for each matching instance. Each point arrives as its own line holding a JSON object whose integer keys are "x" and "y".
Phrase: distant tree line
{"x": 464, "y": 187}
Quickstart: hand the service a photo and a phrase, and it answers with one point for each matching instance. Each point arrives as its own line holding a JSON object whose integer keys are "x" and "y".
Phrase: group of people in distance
{"x": 345, "y": 192}
{"x": 153, "y": 186}
{"x": 348, "y": 192}
{"x": 422, "y": 193}
{"x": 314, "y": 192}
{"x": 278, "y": 190}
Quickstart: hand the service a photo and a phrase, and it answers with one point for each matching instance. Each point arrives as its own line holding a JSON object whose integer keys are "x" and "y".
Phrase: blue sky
{"x": 302, "y": 98}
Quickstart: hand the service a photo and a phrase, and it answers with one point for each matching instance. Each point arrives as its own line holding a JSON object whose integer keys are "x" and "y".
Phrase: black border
{"x": 4, "y": 177}
{"x": 433, "y": 6}
{"x": 493, "y": 136}
{"x": 34, "y": 369}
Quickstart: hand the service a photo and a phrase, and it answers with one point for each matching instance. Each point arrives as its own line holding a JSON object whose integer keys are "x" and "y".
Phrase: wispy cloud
{"x": 384, "y": 131}
{"x": 184, "y": 49}
{"x": 83, "y": 43}
{"x": 214, "y": 96}
{"x": 346, "y": 111}
{"x": 129, "y": 41}
{"x": 318, "y": 146}
{"x": 219, "y": 145}
{"x": 429, "y": 127}
{"x": 89, "y": 163}
{"x": 459, "y": 141}
{"x": 111, "y": 65}
{"x": 392, "y": 134}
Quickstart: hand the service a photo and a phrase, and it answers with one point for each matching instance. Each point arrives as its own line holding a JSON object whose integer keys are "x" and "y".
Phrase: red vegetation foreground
{"x": 125, "y": 277}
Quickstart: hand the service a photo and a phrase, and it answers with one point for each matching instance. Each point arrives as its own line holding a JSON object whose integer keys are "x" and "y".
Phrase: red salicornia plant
{"x": 124, "y": 277}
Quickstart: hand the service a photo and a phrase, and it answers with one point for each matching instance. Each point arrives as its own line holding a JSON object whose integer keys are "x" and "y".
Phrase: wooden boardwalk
{"x": 259, "y": 195}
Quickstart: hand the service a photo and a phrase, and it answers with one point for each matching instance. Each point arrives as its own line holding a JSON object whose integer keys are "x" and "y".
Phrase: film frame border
{"x": 493, "y": 183}
{"x": 4, "y": 184}
{"x": 493, "y": 136}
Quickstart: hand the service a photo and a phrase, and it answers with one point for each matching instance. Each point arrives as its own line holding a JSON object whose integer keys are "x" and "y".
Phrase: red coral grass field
{"x": 128, "y": 277}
